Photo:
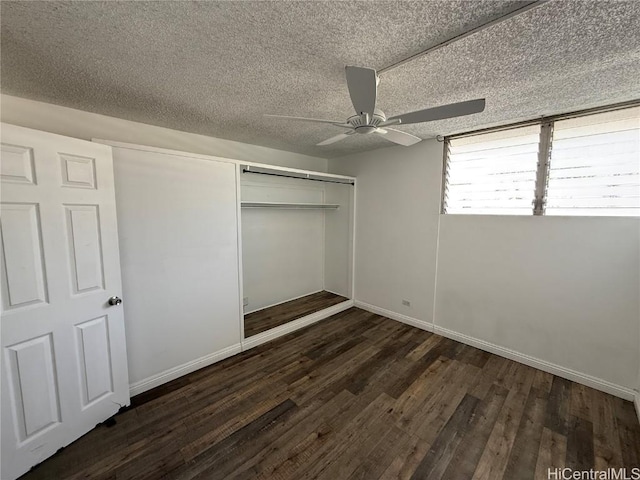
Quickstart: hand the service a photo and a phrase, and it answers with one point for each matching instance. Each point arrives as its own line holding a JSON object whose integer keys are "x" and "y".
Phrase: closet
{"x": 199, "y": 234}
{"x": 297, "y": 247}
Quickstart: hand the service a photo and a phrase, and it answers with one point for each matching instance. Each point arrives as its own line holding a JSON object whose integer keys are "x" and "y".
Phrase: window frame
{"x": 544, "y": 151}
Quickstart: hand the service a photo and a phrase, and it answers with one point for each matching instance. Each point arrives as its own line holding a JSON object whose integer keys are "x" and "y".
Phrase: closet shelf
{"x": 288, "y": 205}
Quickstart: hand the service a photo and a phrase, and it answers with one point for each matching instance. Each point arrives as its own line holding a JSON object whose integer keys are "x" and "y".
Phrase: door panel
{"x": 78, "y": 172}
{"x": 95, "y": 365}
{"x": 64, "y": 349}
{"x": 17, "y": 164}
{"x": 23, "y": 266}
{"x": 85, "y": 251}
{"x": 34, "y": 387}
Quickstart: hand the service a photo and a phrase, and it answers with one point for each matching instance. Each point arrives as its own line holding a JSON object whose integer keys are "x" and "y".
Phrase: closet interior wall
{"x": 292, "y": 252}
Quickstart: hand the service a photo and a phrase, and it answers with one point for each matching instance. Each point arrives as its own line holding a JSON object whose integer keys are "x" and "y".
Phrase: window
{"x": 584, "y": 165}
{"x": 493, "y": 173}
{"x": 595, "y": 165}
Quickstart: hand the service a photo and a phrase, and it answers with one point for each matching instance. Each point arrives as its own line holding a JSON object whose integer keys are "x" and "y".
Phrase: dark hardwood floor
{"x": 271, "y": 317}
{"x": 358, "y": 396}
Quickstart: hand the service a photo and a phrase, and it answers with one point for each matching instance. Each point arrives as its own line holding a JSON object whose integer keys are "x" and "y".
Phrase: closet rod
{"x": 294, "y": 176}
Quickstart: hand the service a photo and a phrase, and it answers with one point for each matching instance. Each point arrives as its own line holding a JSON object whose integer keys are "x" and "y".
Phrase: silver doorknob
{"x": 115, "y": 301}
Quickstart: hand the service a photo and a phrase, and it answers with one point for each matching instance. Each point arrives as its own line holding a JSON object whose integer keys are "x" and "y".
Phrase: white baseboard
{"x": 276, "y": 332}
{"x": 414, "y": 322}
{"x": 569, "y": 374}
{"x": 560, "y": 371}
{"x": 637, "y": 402}
{"x": 173, "y": 373}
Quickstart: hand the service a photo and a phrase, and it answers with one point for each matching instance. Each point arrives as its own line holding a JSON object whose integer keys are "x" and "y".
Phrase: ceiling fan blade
{"x": 438, "y": 113}
{"x": 335, "y": 138}
{"x": 305, "y": 119}
{"x": 363, "y": 89}
{"x": 396, "y": 136}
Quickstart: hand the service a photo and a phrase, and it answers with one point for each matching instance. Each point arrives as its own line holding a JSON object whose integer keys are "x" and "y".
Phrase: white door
{"x": 64, "y": 364}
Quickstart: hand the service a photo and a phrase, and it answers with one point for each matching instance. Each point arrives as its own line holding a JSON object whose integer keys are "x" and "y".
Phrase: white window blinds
{"x": 595, "y": 165}
{"x": 493, "y": 173}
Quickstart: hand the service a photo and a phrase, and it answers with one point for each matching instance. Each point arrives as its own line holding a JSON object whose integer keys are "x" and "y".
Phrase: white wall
{"x": 564, "y": 290}
{"x": 282, "y": 249}
{"x": 86, "y": 125}
{"x": 560, "y": 289}
{"x": 338, "y": 239}
{"x": 396, "y": 225}
{"x": 177, "y": 226}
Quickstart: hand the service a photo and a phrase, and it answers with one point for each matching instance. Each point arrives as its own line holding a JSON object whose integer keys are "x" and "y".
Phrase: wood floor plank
{"x": 333, "y": 434}
{"x": 165, "y": 457}
{"x": 425, "y": 386}
{"x": 419, "y": 404}
{"x": 355, "y": 442}
{"x": 394, "y": 442}
{"x": 628, "y": 431}
{"x": 293, "y": 447}
{"x": 405, "y": 464}
{"x": 489, "y": 374}
{"x": 419, "y": 366}
{"x": 557, "y": 418}
{"x": 474, "y": 356}
{"x": 467, "y": 455}
{"x": 580, "y": 401}
{"x": 552, "y": 454}
{"x": 580, "y": 455}
{"x": 378, "y": 364}
{"x": 201, "y": 434}
{"x": 606, "y": 441}
{"x": 216, "y": 462}
{"x": 435, "y": 462}
{"x": 271, "y": 317}
{"x": 425, "y": 345}
{"x": 524, "y": 453}
{"x": 542, "y": 381}
{"x": 437, "y": 411}
{"x": 330, "y": 374}
{"x": 357, "y": 396}
{"x": 493, "y": 461}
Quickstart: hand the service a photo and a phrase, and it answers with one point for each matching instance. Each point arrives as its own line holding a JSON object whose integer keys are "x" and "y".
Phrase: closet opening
{"x": 297, "y": 245}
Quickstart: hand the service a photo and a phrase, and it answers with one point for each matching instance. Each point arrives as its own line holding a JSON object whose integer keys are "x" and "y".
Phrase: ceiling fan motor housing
{"x": 361, "y": 125}
{"x": 362, "y": 83}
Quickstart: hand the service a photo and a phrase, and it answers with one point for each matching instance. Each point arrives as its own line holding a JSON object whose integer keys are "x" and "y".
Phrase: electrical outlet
{"x": 245, "y": 301}
{"x": 406, "y": 303}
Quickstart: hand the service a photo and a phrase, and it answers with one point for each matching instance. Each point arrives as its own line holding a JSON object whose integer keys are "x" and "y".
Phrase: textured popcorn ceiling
{"x": 215, "y": 68}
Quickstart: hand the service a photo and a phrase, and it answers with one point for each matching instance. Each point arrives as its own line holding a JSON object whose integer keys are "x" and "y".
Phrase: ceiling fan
{"x": 363, "y": 89}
